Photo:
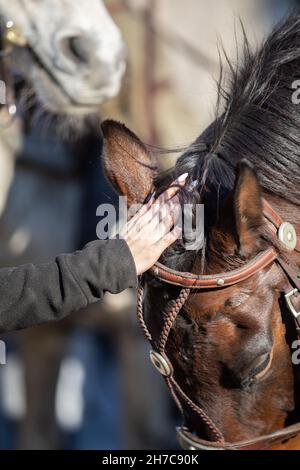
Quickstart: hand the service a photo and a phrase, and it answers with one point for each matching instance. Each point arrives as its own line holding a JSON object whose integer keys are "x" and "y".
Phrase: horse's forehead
{"x": 210, "y": 301}
{"x": 252, "y": 292}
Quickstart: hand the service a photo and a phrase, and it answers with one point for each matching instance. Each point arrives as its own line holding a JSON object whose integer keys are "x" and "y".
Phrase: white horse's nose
{"x": 83, "y": 55}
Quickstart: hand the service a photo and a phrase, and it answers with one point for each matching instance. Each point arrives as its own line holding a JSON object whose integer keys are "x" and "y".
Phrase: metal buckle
{"x": 290, "y": 305}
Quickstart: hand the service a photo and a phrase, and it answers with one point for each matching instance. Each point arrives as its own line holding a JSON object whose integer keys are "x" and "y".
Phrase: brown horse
{"x": 225, "y": 347}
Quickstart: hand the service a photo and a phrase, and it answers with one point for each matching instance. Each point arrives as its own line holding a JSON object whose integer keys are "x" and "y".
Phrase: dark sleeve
{"x": 32, "y": 295}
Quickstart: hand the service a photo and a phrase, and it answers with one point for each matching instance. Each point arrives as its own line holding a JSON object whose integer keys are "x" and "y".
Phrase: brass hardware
{"x": 13, "y": 35}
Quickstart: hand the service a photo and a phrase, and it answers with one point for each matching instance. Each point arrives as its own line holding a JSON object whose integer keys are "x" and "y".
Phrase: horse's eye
{"x": 261, "y": 366}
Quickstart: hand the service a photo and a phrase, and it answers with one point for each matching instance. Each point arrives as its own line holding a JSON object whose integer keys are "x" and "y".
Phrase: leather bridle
{"x": 287, "y": 235}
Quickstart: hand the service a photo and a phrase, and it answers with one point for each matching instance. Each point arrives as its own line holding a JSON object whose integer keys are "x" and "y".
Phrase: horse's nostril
{"x": 100, "y": 64}
{"x": 80, "y": 48}
{"x": 77, "y": 49}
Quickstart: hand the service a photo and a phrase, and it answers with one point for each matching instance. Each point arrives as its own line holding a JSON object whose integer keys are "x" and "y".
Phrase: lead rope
{"x": 171, "y": 316}
{"x": 170, "y": 319}
{"x": 140, "y": 315}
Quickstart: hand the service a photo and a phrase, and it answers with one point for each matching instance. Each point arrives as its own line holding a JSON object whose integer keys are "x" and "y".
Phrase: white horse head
{"x": 74, "y": 57}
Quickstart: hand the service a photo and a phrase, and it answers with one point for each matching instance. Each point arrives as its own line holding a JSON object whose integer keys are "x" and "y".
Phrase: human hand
{"x": 148, "y": 234}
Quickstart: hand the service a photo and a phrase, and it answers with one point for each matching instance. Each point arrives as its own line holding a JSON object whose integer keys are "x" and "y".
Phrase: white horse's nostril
{"x": 78, "y": 49}
{"x": 81, "y": 48}
{"x": 100, "y": 63}
{"x": 89, "y": 65}
{"x": 90, "y": 55}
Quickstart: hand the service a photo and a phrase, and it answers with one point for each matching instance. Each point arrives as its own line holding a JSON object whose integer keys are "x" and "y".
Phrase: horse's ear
{"x": 127, "y": 163}
{"x": 248, "y": 208}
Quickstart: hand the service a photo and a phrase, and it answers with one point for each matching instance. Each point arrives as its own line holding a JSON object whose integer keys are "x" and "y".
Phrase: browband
{"x": 262, "y": 260}
{"x": 194, "y": 281}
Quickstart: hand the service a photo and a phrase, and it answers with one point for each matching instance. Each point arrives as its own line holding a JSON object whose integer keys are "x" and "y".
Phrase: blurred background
{"x": 86, "y": 382}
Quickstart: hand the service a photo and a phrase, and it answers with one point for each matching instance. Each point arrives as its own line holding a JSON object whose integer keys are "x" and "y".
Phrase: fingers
{"x": 166, "y": 241}
{"x": 173, "y": 189}
{"x": 159, "y": 212}
{"x": 148, "y": 233}
{"x": 166, "y": 218}
{"x": 156, "y": 211}
{"x": 150, "y": 209}
{"x": 158, "y": 222}
{"x": 153, "y": 253}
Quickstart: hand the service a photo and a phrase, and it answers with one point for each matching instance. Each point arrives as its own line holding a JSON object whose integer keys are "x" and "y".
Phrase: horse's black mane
{"x": 259, "y": 121}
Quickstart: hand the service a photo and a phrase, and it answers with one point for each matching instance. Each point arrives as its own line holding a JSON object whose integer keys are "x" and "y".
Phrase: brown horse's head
{"x": 231, "y": 347}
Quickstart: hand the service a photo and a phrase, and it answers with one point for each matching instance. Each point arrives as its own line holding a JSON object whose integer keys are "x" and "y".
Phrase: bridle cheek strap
{"x": 189, "y": 281}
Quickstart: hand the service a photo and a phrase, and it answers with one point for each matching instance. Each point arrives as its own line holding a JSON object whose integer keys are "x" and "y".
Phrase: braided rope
{"x": 216, "y": 432}
{"x": 140, "y": 314}
{"x": 171, "y": 317}
{"x": 174, "y": 396}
